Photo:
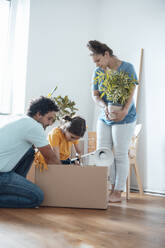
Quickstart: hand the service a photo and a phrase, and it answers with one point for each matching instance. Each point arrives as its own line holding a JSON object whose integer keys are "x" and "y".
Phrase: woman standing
{"x": 113, "y": 132}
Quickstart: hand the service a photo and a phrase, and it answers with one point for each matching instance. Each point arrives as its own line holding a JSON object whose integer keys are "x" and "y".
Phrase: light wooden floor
{"x": 139, "y": 223}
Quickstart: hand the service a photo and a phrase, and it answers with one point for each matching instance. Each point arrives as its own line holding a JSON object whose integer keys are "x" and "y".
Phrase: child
{"x": 62, "y": 138}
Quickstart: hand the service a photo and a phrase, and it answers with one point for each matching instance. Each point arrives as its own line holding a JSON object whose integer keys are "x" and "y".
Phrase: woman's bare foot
{"x": 115, "y": 196}
{"x": 112, "y": 189}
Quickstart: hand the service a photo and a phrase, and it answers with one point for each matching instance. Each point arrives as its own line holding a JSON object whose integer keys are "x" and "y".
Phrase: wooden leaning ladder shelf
{"x": 132, "y": 159}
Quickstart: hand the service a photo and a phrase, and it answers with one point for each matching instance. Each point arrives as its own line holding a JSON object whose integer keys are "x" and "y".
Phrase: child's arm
{"x": 54, "y": 140}
{"x": 78, "y": 153}
{"x": 78, "y": 150}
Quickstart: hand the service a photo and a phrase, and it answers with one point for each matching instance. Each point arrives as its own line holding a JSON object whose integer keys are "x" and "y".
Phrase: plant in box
{"x": 117, "y": 86}
{"x": 66, "y": 106}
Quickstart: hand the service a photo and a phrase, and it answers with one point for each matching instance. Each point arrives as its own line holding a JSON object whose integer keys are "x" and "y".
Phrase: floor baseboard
{"x": 148, "y": 192}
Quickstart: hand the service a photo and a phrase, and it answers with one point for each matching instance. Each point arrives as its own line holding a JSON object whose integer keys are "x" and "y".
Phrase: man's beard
{"x": 45, "y": 126}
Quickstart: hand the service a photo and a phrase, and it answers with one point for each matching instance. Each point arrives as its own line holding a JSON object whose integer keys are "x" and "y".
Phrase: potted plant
{"x": 116, "y": 86}
{"x": 66, "y": 106}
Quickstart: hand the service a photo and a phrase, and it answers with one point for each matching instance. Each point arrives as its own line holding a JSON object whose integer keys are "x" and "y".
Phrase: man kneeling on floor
{"x": 18, "y": 137}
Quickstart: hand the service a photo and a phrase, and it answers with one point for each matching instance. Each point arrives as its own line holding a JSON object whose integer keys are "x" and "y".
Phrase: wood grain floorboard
{"x": 138, "y": 223}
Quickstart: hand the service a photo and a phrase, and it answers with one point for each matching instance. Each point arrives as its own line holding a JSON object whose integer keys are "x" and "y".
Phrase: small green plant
{"x": 117, "y": 86}
{"x": 66, "y": 106}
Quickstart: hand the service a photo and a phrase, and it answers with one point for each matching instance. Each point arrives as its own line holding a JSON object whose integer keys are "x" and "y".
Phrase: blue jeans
{"x": 15, "y": 190}
{"x": 67, "y": 161}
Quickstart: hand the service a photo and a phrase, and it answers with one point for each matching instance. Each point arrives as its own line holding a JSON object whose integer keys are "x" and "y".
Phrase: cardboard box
{"x": 74, "y": 186}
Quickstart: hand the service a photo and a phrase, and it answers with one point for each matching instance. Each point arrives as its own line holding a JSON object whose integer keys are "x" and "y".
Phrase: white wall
{"x": 58, "y": 34}
{"x": 59, "y": 31}
{"x": 127, "y": 26}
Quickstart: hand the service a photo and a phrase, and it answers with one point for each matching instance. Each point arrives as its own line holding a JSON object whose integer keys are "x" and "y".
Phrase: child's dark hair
{"x": 75, "y": 125}
{"x": 99, "y": 48}
{"x": 43, "y": 105}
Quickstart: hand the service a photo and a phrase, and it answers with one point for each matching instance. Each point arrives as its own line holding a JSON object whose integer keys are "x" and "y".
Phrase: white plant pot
{"x": 111, "y": 108}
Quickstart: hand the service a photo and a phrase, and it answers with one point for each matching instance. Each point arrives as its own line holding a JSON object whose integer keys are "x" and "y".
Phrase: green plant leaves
{"x": 117, "y": 86}
{"x": 66, "y": 106}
